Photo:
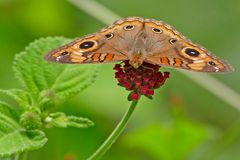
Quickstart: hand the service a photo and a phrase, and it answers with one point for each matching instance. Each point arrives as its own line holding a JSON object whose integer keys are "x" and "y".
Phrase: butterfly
{"x": 139, "y": 40}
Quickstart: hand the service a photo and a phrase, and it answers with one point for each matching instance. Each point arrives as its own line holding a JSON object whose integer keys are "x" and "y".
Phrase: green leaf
{"x": 20, "y": 96}
{"x": 47, "y": 80}
{"x": 61, "y": 120}
{"x": 13, "y": 138}
{"x": 5, "y": 109}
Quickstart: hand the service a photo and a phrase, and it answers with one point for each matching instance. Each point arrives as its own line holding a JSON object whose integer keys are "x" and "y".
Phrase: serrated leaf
{"x": 20, "y": 96}
{"x": 51, "y": 81}
{"x": 14, "y": 139}
{"x": 61, "y": 120}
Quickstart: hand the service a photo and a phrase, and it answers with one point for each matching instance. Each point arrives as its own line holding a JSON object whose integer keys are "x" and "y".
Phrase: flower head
{"x": 140, "y": 81}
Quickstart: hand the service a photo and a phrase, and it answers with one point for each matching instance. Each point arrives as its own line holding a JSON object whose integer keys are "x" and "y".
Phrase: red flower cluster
{"x": 141, "y": 81}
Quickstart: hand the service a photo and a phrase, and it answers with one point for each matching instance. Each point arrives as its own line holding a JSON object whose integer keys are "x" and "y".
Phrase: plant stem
{"x": 115, "y": 133}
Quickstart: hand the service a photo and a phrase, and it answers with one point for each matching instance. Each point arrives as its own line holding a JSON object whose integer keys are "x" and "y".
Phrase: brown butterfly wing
{"x": 169, "y": 48}
{"x": 110, "y": 44}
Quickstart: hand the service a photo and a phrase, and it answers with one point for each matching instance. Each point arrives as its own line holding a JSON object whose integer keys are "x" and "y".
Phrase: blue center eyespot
{"x": 86, "y": 45}
{"x": 192, "y": 52}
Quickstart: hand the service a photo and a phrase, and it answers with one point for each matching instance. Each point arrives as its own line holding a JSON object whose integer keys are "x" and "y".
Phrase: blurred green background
{"x": 183, "y": 121}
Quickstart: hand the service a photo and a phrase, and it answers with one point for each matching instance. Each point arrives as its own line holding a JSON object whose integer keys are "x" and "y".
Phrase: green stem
{"x": 115, "y": 134}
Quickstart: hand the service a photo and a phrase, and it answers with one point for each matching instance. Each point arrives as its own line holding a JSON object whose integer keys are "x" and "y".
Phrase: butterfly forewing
{"x": 110, "y": 44}
{"x": 172, "y": 49}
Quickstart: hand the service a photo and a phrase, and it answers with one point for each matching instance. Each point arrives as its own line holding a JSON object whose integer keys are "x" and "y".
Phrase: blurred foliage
{"x": 174, "y": 141}
{"x": 206, "y": 128}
